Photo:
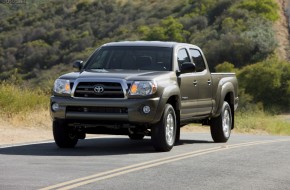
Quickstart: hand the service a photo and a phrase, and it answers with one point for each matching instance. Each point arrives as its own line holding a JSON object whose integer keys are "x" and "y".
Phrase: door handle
{"x": 209, "y": 82}
{"x": 195, "y": 82}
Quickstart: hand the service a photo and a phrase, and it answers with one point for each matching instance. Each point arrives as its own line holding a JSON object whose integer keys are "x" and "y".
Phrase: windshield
{"x": 131, "y": 58}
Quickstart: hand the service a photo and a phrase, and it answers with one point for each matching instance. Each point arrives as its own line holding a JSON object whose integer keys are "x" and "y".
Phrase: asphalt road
{"x": 113, "y": 162}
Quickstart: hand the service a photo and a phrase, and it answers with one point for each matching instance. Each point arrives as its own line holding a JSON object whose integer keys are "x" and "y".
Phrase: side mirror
{"x": 187, "y": 67}
{"x": 78, "y": 64}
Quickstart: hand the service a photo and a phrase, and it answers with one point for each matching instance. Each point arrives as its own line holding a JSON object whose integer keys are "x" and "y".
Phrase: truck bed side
{"x": 225, "y": 87}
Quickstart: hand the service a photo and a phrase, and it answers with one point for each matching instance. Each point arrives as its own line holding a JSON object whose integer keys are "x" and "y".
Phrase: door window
{"x": 197, "y": 60}
{"x": 182, "y": 57}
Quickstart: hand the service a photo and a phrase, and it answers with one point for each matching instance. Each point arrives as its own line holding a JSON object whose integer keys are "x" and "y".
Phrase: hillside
{"x": 41, "y": 34}
{"x": 40, "y": 39}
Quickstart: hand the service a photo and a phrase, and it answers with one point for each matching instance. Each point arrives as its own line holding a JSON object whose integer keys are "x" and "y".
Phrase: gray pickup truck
{"x": 143, "y": 89}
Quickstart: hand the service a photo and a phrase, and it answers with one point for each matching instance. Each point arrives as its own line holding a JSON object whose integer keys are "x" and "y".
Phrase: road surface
{"x": 115, "y": 162}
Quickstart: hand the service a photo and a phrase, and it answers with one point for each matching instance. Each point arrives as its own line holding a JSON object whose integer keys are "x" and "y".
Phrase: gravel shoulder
{"x": 35, "y": 131}
{"x": 15, "y": 135}
{"x": 23, "y": 135}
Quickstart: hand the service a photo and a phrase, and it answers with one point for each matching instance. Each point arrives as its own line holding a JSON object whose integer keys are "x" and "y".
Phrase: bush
{"x": 225, "y": 67}
{"x": 267, "y": 82}
{"x": 260, "y": 38}
{"x": 265, "y": 8}
{"x": 169, "y": 29}
{"x": 262, "y": 86}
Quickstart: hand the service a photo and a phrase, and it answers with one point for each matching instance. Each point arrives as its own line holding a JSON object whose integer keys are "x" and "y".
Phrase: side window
{"x": 182, "y": 57}
{"x": 198, "y": 60}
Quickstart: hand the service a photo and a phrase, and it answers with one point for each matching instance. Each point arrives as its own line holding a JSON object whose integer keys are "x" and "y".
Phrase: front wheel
{"x": 221, "y": 126}
{"x": 164, "y": 132}
{"x": 64, "y": 137}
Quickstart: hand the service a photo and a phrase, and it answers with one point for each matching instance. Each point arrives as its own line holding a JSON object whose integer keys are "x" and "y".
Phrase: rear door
{"x": 202, "y": 81}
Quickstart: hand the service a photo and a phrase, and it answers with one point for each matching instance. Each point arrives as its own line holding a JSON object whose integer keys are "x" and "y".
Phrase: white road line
{"x": 25, "y": 144}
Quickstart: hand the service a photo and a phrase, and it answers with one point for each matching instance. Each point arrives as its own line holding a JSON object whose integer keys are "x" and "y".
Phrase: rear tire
{"x": 64, "y": 137}
{"x": 221, "y": 126}
{"x": 164, "y": 132}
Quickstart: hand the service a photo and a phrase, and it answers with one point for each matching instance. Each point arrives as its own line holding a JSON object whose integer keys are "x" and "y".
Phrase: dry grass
{"x": 20, "y": 107}
{"x": 16, "y": 100}
{"x": 39, "y": 118}
{"x": 262, "y": 123}
{"x": 258, "y": 123}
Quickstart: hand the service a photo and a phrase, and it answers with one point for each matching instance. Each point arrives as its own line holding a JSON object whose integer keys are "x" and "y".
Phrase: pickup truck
{"x": 142, "y": 88}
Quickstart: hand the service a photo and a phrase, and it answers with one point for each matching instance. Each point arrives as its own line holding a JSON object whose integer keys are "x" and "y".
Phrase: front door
{"x": 188, "y": 87}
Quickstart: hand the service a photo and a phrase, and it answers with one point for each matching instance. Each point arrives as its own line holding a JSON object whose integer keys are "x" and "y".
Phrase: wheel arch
{"x": 230, "y": 98}
{"x": 171, "y": 95}
{"x": 226, "y": 94}
{"x": 174, "y": 100}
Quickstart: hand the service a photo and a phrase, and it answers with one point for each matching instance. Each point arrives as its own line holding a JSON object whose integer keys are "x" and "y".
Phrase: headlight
{"x": 62, "y": 86}
{"x": 143, "y": 88}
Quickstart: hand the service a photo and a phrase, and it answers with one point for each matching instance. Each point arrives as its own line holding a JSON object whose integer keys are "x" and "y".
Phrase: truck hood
{"x": 128, "y": 75}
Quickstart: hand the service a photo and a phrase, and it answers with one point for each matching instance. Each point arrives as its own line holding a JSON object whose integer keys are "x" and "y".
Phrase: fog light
{"x": 55, "y": 107}
{"x": 146, "y": 109}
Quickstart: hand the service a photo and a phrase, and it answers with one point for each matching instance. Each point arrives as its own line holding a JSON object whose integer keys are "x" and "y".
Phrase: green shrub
{"x": 262, "y": 86}
{"x": 225, "y": 67}
{"x": 265, "y": 8}
{"x": 169, "y": 29}
{"x": 267, "y": 82}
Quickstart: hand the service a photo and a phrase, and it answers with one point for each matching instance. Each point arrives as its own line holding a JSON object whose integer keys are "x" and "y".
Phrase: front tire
{"x": 221, "y": 126}
{"x": 64, "y": 137}
{"x": 164, "y": 132}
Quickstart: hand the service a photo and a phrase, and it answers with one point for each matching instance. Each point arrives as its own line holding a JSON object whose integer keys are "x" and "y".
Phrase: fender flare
{"x": 168, "y": 91}
{"x": 225, "y": 88}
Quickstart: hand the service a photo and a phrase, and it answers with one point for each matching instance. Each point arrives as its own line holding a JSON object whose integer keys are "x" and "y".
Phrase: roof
{"x": 143, "y": 43}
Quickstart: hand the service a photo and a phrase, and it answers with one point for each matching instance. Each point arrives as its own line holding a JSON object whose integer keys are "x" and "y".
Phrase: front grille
{"x": 91, "y": 109}
{"x": 99, "y": 90}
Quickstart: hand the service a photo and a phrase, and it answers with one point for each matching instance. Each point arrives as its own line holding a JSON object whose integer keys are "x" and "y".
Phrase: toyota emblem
{"x": 99, "y": 89}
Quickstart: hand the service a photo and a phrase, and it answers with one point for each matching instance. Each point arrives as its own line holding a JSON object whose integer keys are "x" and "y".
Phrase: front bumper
{"x": 132, "y": 110}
